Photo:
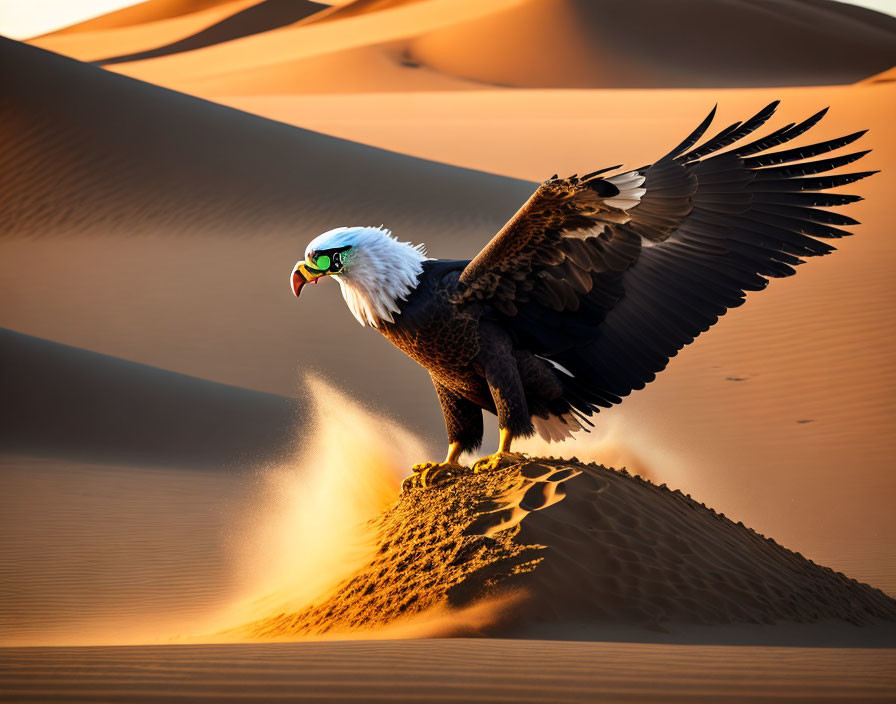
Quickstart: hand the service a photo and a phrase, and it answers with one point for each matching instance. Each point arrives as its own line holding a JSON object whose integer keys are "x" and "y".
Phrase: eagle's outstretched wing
{"x": 609, "y": 276}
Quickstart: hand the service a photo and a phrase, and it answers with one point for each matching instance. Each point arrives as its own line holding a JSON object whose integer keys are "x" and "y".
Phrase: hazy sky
{"x": 27, "y": 18}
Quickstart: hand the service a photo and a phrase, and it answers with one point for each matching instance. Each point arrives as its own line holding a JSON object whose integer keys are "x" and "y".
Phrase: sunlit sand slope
{"x": 63, "y": 401}
{"x": 215, "y": 65}
{"x": 577, "y": 543}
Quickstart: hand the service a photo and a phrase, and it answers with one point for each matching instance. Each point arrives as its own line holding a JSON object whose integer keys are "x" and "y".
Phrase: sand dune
{"x": 352, "y": 8}
{"x": 59, "y": 400}
{"x": 261, "y": 17}
{"x": 213, "y": 65}
{"x": 576, "y": 544}
{"x": 585, "y": 44}
{"x": 147, "y": 178}
{"x": 94, "y": 40}
{"x": 143, "y": 13}
{"x": 541, "y": 44}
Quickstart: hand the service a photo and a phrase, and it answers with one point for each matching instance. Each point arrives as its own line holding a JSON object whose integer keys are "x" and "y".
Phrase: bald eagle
{"x": 597, "y": 281}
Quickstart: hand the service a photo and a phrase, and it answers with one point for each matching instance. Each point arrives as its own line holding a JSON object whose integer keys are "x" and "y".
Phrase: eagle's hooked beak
{"x": 302, "y": 275}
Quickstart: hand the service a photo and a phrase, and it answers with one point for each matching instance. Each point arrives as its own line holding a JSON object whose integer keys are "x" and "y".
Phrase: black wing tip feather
{"x": 776, "y": 220}
{"x": 737, "y": 131}
{"x": 591, "y": 175}
{"x": 692, "y": 138}
{"x": 731, "y": 134}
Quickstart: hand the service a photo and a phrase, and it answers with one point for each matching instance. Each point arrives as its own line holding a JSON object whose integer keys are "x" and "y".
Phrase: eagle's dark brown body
{"x": 474, "y": 362}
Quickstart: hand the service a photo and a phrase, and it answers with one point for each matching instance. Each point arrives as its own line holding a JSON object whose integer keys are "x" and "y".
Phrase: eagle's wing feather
{"x": 610, "y": 276}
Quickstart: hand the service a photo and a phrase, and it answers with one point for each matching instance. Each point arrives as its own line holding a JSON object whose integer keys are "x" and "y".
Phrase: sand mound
{"x": 582, "y": 543}
{"x": 605, "y": 44}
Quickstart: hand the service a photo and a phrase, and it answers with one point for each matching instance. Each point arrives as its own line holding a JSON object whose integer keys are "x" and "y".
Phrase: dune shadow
{"x": 263, "y": 17}
{"x": 61, "y": 401}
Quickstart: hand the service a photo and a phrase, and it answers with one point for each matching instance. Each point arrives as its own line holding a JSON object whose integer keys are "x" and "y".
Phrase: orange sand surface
{"x": 448, "y": 671}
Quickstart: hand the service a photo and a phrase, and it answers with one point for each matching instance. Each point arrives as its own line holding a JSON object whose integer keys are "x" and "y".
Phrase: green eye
{"x": 322, "y": 262}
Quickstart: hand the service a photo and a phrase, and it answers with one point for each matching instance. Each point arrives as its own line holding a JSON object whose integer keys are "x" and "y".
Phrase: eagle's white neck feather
{"x": 379, "y": 271}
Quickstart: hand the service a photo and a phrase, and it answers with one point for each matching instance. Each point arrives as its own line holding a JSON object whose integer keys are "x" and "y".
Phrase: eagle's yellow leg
{"x": 502, "y": 458}
{"x": 453, "y": 453}
{"x": 504, "y": 440}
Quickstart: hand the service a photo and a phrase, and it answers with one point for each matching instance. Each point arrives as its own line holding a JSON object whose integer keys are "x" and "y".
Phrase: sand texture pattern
{"x": 578, "y": 542}
{"x": 449, "y": 671}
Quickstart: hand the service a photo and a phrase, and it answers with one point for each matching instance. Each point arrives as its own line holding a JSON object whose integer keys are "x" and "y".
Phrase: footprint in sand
{"x": 540, "y": 487}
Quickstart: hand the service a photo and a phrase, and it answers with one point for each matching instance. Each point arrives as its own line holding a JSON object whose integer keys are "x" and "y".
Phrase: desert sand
{"x": 161, "y": 447}
{"x": 447, "y": 671}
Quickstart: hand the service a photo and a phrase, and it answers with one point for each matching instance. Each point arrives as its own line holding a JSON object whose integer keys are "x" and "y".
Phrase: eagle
{"x": 597, "y": 280}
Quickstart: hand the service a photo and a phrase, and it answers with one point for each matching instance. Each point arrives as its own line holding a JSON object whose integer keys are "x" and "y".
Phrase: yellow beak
{"x": 302, "y": 275}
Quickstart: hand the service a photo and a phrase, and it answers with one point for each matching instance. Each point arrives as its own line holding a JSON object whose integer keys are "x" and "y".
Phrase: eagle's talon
{"x": 499, "y": 460}
{"x": 429, "y": 474}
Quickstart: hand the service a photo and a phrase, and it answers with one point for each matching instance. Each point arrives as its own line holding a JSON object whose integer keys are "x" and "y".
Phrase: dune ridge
{"x": 632, "y": 45}
{"x": 90, "y": 42}
{"x": 142, "y": 13}
{"x": 260, "y": 17}
{"x": 582, "y": 543}
{"x": 146, "y": 175}
{"x": 63, "y": 401}
{"x": 541, "y": 44}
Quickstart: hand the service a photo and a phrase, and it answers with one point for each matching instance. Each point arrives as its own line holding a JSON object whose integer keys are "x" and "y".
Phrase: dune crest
{"x": 584, "y": 543}
{"x": 603, "y": 44}
{"x": 87, "y": 42}
{"x": 141, "y": 13}
{"x": 457, "y": 44}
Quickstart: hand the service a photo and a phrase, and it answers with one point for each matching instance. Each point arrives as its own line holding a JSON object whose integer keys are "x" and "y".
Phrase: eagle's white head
{"x": 374, "y": 270}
